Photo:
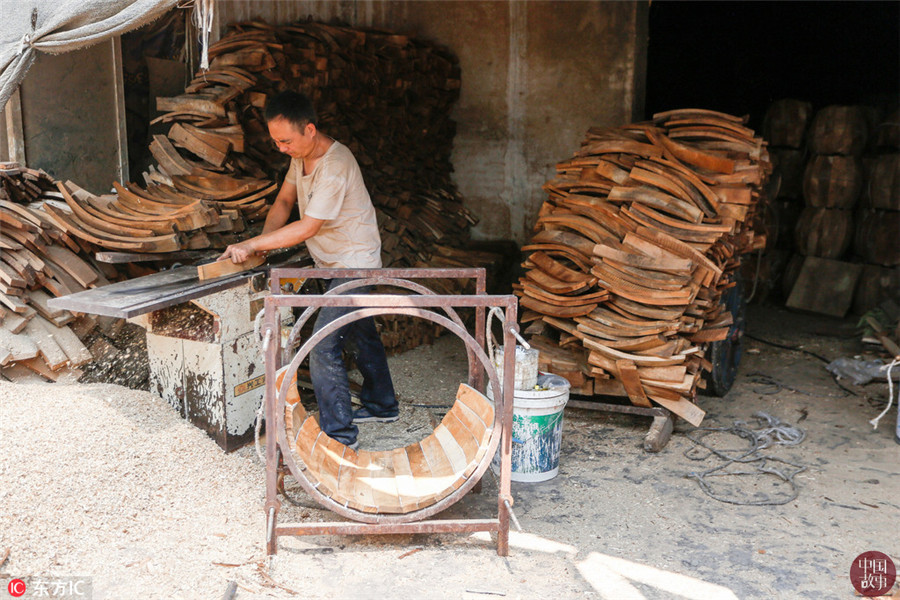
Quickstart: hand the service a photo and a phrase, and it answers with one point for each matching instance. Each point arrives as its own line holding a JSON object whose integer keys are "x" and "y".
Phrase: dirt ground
{"x": 99, "y": 481}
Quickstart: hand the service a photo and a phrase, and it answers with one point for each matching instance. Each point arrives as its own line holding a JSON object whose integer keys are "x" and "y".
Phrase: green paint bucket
{"x": 537, "y": 429}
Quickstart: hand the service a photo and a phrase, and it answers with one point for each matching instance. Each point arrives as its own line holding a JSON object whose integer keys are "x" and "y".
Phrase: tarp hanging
{"x": 57, "y": 26}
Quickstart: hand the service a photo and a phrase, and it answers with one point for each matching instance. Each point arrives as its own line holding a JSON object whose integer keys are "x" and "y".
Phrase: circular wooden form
{"x": 401, "y": 485}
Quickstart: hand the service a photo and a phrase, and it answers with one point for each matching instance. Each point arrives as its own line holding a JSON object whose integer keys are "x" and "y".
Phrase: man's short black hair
{"x": 294, "y": 107}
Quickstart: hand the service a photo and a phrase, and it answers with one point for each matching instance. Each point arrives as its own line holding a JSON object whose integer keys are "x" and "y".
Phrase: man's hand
{"x": 238, "y": 253}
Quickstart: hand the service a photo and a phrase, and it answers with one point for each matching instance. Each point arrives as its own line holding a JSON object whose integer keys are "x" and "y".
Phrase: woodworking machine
{"x": 205, "y": 359}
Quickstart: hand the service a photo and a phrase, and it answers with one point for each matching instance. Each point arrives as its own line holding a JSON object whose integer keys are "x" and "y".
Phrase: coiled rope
{"x": 770, "y": 432}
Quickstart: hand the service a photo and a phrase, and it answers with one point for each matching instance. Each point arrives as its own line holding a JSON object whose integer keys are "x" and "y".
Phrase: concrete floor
{"x": 621, "y": 524}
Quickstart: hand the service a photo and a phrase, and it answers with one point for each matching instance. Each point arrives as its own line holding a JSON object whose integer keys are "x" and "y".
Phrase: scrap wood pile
{"x": 633, "y": 250}
{"x": 387, "y": 97}
{"x": 40, "y": 261}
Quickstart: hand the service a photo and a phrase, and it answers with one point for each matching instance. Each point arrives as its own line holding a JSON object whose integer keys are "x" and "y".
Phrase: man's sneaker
{"x": 364, "y": 416}
{"x": 354, "y": 446}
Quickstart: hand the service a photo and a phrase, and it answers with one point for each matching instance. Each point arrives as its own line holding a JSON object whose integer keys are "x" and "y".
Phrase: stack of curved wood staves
{"x": 385, "y": 96}
{"x": 40, "y": 260}
{"x": 633, "y": 250}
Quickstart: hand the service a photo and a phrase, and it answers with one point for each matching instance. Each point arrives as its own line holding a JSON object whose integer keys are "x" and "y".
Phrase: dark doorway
{"x": 738, "y": 57}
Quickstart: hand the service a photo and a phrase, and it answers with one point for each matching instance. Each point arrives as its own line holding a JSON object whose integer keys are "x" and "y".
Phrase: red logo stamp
{"x": 873, "y": 573}
{"x": 16, "y": 588}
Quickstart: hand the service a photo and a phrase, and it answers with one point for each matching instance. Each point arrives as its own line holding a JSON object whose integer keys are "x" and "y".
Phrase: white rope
{"x": 894, "y": 363}
{"x": 492, "y": 341}
{"x": 203, "y": 20}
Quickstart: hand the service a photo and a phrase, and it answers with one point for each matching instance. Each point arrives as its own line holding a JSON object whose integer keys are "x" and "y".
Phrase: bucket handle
{"x": 492, "y": 341}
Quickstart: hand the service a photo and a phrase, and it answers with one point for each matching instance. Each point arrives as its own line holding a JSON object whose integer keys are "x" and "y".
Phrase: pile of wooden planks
{"x": 387, "y": 97}
{"x": 633, "y": 249}
{"x": 40, "y": 260}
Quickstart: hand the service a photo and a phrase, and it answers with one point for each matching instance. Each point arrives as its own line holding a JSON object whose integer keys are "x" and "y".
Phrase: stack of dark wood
{"x": 846, "y": 252}
{"x": 785, "y": 126}
{"x": 832, "y": 181}
{"x": 40, "y": 260}
{"x": 387, "y": 97}
{"x": 633, "y": 250}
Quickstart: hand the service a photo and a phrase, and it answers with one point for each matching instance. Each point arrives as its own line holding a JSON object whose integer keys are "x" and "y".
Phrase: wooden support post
{"x": 121, "y": 130}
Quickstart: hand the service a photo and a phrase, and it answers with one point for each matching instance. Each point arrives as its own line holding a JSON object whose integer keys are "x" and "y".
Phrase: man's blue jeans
{"x": 329, "y": 374}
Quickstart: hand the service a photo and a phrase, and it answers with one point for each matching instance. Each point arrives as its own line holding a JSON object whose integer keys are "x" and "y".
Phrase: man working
{"x": 337, "y": 222}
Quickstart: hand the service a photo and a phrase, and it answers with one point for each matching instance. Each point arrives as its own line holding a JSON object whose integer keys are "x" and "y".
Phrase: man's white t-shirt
{"x": 335, "y": 193}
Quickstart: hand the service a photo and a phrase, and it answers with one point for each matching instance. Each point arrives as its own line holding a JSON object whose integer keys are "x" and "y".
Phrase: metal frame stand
{"x": 423, "y": 305}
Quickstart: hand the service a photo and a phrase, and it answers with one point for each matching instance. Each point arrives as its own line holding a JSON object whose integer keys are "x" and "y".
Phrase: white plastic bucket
{"x": 537, "y": 429}
{"x": 526, "y": 367}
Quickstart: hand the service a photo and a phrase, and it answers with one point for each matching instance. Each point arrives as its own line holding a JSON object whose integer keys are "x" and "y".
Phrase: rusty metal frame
{"x": 424, "y": 305}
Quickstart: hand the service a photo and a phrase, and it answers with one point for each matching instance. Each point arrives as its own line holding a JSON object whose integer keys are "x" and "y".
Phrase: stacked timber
{"x": 39, "y": 260}
{"x": 387, "y": 97}
{"x": 877, "y": 237}
{"x": 785, "y": 126}
{"x": 849, "y": 200}
{"x": 633, "y": 249}
{"x": 832, "y": 181}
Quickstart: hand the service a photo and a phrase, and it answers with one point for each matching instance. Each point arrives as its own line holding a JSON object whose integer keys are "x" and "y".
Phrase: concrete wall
{"x": 535, "y": 76}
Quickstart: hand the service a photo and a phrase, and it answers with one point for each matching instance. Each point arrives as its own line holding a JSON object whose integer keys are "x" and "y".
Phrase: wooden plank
{"x": 39, "y": 299}
{"x": 558, "y": 270}
{"x": 446, "y": 479}
{"x": 657, "y": 260}
{"x": 74, "y": 350}
{"x": 15, "y": 132}
{"x": 325, "y": 463}
{"x": 41, "y": 333}
{"x": 682, "y": 407}
{"x": 473, "y": 448}
{"x": 422, "y": 475}
{"x": 373, "y": 486}
{"x": 14, "y": 303}
{"x": 631, "y": 381}
{"x": 380, "y": 476}
{"x": 81, "y": 271}
{"x": 644, "y": 361}
{"x": 407, "y": 490}
{"x": 187, "y": 140}
{"x": 15, "y": 322}
{"x": 557, "y": 286}
{"x": 565, "y": 312}
{"x": 825, "y": 286}
{"x": 221, "y": 268}
{"x": 19, "y": 374}
{"x": 17, "y": 346}
{"x": 477, "y": 403}
{"x": 452, "y": 449}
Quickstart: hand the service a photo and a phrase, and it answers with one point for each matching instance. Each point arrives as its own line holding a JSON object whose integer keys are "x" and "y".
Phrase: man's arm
{"x": 275, "y": 233}
{"x": 281, "y": 208}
